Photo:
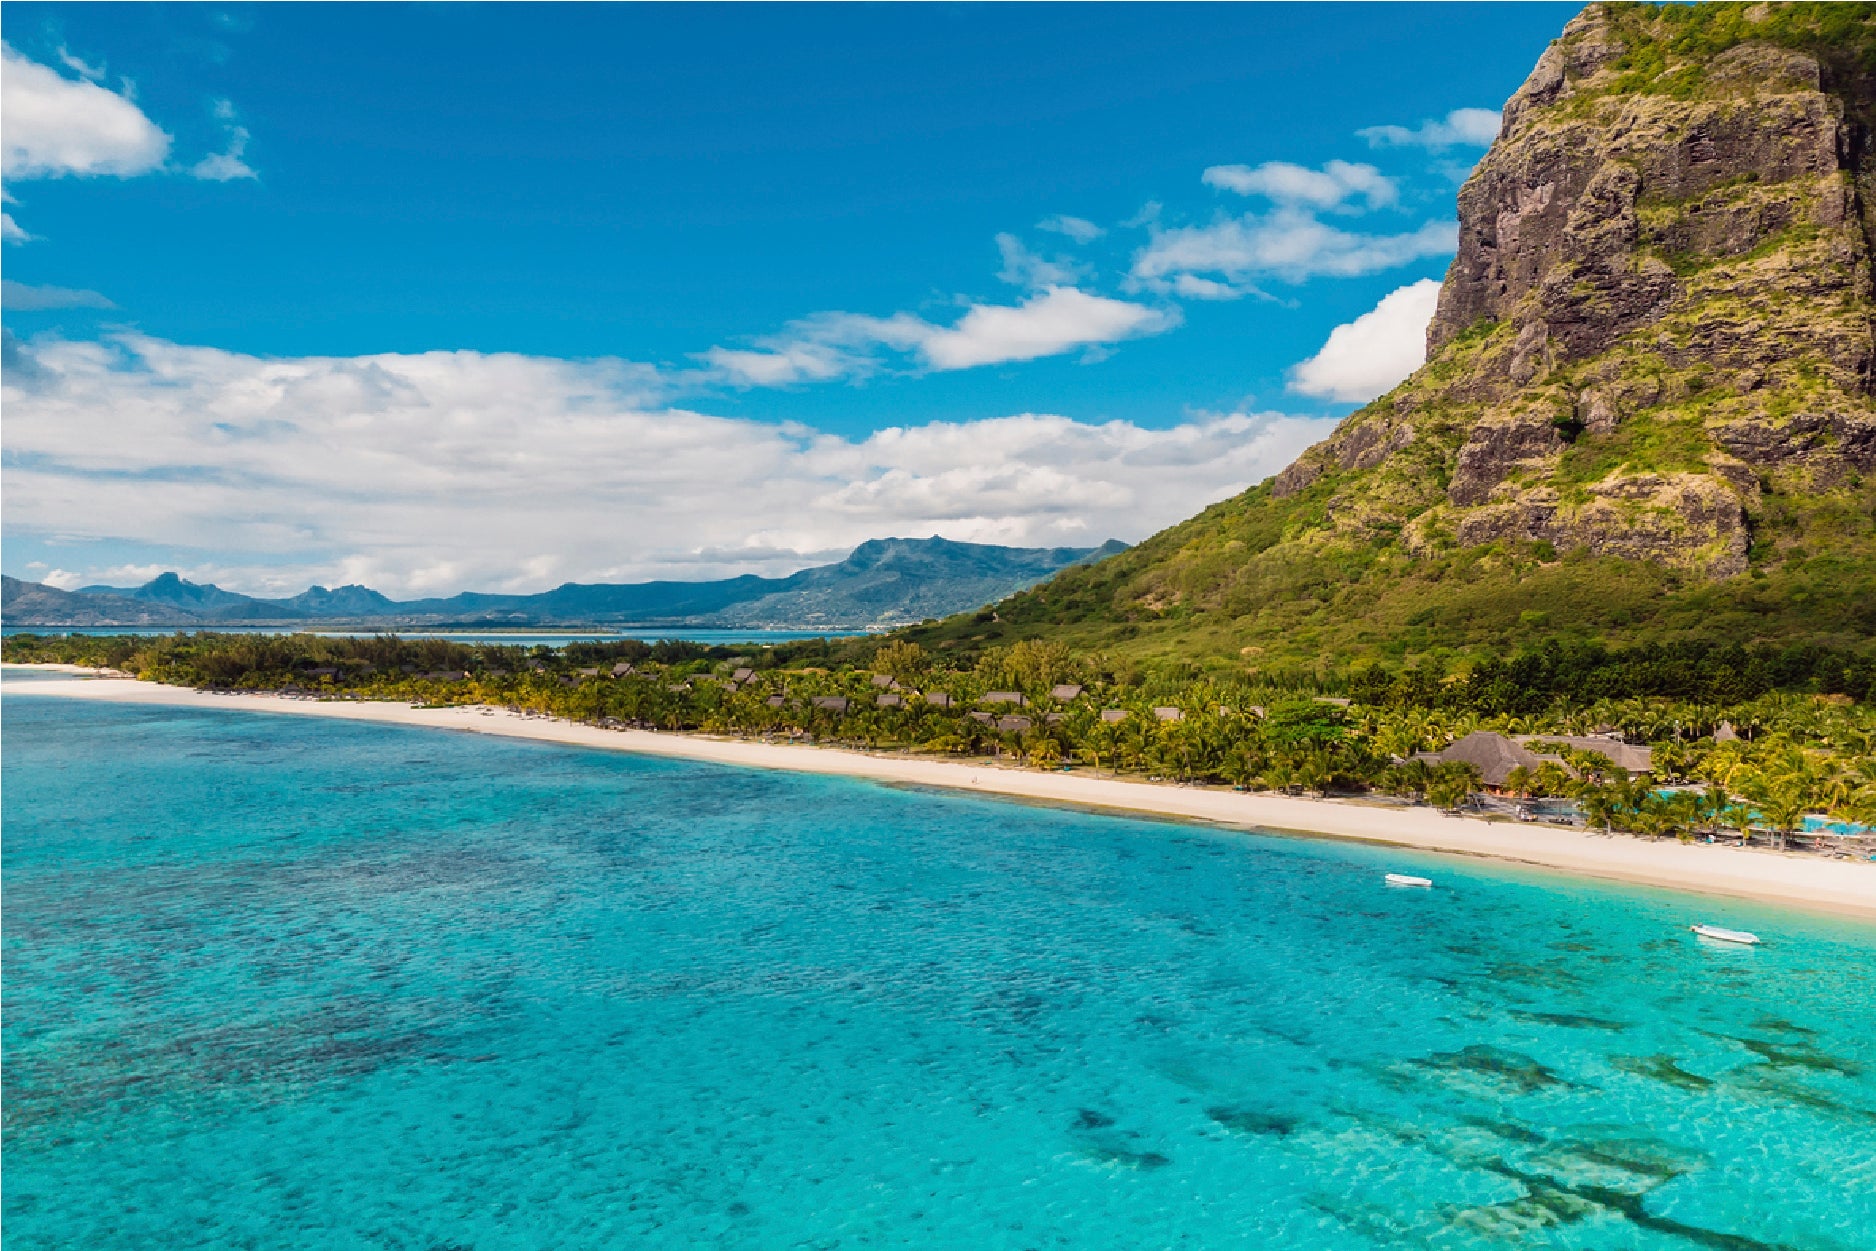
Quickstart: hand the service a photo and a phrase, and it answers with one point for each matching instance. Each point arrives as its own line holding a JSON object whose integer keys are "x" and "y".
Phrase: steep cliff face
{"x": 1650, "y": 379}
{"x": 1660, "y": 307}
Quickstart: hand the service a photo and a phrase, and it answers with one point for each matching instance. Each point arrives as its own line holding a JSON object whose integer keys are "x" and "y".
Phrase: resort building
{"x": 1493, "y": 755}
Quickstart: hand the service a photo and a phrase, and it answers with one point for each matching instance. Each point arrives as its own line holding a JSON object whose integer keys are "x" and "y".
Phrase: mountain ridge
{"x": 881, "y": 582}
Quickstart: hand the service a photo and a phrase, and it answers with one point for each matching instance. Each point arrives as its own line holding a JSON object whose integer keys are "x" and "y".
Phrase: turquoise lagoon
{"x": 279, "y": 983}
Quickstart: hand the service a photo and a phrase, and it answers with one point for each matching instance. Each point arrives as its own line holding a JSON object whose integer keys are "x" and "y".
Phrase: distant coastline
{"x": 1804, "y": 881}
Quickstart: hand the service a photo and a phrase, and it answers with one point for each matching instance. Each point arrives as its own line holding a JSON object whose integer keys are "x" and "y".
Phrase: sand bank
{"x": 1809, "y": 881}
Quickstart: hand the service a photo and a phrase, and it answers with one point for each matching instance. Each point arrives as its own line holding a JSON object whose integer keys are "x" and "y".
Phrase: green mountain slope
{"x": 1647, "y": 407}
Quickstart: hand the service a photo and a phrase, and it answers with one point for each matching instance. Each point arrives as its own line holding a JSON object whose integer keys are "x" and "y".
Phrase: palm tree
{"x": 1451, "y": 784}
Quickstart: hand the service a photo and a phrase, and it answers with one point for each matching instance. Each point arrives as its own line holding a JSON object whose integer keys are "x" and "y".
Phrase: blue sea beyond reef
{"x": 272, "y": 982}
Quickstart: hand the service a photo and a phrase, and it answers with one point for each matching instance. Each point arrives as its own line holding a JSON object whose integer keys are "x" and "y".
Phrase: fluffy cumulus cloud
{"x": 1049, "y": 322}
{"x": 1473, "y": 128}
{"x": 1368, "y": 356}
{"x": 57, "y": 126}
{"x": 1330, "y": 187}
{"x": 1054, "y": 320}
{"x": 1289, "y": 243}
{"x": 432, "y": 473}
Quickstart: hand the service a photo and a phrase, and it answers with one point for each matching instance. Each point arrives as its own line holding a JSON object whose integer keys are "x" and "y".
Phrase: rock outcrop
{"x": 1663, "y": 276}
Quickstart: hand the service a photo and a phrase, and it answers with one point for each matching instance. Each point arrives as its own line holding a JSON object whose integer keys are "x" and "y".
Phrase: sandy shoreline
{"x": 1846, "y": 887}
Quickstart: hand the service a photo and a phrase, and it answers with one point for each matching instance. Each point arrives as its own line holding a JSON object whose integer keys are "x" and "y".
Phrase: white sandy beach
{"x": 1840, "y": 886}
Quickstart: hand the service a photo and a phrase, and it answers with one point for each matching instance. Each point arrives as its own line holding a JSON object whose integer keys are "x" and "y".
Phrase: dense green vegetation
{"x": 1670, "y": 46}
{"x": 1806, "y": 736}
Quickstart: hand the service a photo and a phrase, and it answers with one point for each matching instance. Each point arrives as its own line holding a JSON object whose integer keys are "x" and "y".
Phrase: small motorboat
{"x": 1402, "y": 879}
{"x": 1725, "y": 935}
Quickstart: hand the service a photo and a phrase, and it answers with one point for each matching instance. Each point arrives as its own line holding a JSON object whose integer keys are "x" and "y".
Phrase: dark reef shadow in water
{"x": 1661, "y": 1068}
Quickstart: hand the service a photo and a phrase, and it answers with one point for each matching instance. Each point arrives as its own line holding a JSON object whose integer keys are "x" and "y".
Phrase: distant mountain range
{"x": 884, "y": 582}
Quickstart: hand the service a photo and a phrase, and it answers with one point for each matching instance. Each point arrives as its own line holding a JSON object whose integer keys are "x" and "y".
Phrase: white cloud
{"x": 1330, "y": 187}
{"x": 1475, "y": 128}
{"x": 817, "y": 348}
{"x": 1055, "y": 320}
{"x": 1366, "y": 357}
{"x": 23, "y": 298}
{"x": 1080, "y": 229}
{"x": 226, "y": 166}
{"x": 783, "y": 364}
{"x": 70, "y": 60}
{"x": 1193, "y": 287}
{"x": 11, "y": 231}
{"x": 1288, "y": 243}
{"x": 1024, "y": 268}
{"x": 125, "y": 575}
{"x": 432, "y": 473}
{"x": 1051, "y": 321}
{"x": 55, "y": 126}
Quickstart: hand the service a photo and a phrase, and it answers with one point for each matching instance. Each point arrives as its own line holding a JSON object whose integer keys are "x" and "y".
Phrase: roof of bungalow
{"x": 887, "y": 700}
{"x": 1003, "y": 697}
{"x": 1629, "y": 756}
{"x": 938, "y": 699}
{"x": 1168, "y": 713}
{"x": 1013, "y": 725}
{"x": 1111, "y": 715}
{"x": 1065, "y": 691}
{"x": 742, "y": 675}
{"x": 1726, "y": 733}
{"x": 621, "y": 669}
{"x": 776, "y": 701}
{"x": 1493, "y": 755}
{"x": 981, "y": 716}
{"x": 837, "y": 703}
{"x": 882, "y": 679}
{"x": 589, "y": 673}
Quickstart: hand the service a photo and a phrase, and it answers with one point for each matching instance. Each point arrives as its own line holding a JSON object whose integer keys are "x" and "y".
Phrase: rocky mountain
{"x": 197, "y": 602}
{"x": 1647, "y": 408}
{"x": 896, "y": 581}
{"x": 34, "y": 602}
{"x": 883, "y": 582}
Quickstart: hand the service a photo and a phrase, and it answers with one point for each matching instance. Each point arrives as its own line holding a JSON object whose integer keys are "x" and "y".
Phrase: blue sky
{"x": 773, "y": 230}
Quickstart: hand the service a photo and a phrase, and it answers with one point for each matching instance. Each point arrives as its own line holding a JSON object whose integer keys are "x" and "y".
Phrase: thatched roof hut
{"x": 1493, "y": 755}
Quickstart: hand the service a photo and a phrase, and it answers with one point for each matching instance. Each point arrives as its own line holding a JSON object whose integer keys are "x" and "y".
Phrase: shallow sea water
{"x": 273, "y": 982}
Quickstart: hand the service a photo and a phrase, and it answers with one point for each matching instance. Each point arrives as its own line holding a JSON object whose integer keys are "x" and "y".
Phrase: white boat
{"x": 1402, "y": 879}
{"x": 1725, "y": 935}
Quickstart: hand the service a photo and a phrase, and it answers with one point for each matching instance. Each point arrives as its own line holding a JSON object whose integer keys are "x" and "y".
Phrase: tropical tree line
{"x": 1759, "y": 764}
